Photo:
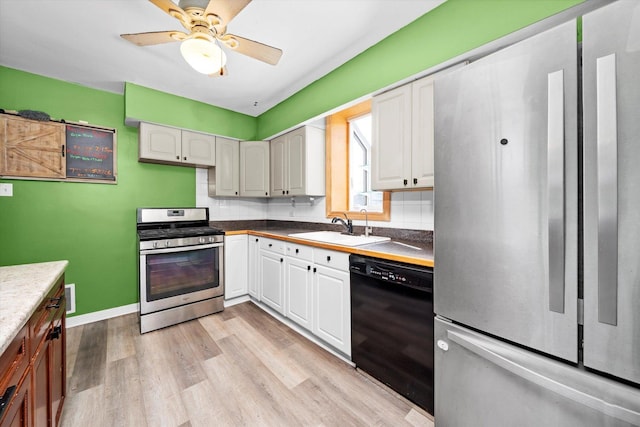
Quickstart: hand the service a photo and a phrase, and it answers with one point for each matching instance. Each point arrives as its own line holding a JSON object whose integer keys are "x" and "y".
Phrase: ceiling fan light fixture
{"x": 204, "y": 56}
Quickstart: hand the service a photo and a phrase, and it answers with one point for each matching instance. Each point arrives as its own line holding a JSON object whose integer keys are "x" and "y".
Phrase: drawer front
{"x": 14, "y": 361}
{"x": 272, "y": 245}
{"x": 297, "y": 251}
{"x": 44, "y": 314}
{"x": 333, "y": 259}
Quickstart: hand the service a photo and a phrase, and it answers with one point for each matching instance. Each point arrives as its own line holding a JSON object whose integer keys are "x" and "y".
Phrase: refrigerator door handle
{"x": 502, "y": 357}
{"x": 555, "y": 188}
{"x": 607, "y": 173}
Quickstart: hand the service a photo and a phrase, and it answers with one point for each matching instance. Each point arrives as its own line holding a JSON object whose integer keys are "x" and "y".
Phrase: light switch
{"x": 6, "y": 190}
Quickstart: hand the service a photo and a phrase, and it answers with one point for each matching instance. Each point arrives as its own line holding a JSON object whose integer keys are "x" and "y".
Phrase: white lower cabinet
{"x": 235, "y": 262}
{"x": 299, "y": 284}
{"x": 272, "y": 274}
{"x": 332, "y": 307}
{"x": 254, "y": 267}
{"x": 309, "y": 286}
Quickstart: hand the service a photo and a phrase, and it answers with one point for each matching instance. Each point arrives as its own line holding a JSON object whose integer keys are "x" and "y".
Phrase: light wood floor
{"x": 240, "y": 367}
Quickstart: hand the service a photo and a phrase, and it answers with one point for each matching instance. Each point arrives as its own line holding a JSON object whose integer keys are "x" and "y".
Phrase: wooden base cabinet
{"x": 35, "y": 362}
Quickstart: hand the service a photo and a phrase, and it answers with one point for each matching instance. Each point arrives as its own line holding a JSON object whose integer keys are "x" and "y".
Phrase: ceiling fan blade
{"x": 173, "y": 9}
{"x": 157, "y": 37}
{"x": 262, "y": 52}
{"x": 225, "y": 9}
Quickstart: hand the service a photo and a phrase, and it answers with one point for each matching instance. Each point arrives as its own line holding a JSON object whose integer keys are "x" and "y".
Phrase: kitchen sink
{"x": 337, "y": 238}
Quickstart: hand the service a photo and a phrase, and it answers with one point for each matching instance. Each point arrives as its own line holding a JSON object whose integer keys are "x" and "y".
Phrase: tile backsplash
{"x": 409, "y": 209}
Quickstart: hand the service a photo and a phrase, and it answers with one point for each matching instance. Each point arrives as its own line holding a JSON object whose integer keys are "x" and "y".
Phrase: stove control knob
{"x": 211, "y": 239}
{"x": 167, "y": 243}
{"x": 155, "y": 244}
{"x": 202, "y": 240}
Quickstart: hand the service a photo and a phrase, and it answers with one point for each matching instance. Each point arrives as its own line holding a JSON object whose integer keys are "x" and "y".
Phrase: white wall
{"x": 409, "y": 209}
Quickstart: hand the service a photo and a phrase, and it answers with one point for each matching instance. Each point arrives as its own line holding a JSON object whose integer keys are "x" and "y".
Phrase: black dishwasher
{"x": 392, "y": 325}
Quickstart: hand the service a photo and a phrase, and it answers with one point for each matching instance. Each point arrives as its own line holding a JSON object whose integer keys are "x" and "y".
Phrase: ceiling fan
{"x": 206, "y": 22}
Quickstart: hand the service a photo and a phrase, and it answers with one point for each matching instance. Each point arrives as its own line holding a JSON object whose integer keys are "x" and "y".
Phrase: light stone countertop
{"x": 22, "y": 288}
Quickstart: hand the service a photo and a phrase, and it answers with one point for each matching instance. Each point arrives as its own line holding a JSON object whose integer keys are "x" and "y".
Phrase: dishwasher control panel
{"x": 401, "y": 273}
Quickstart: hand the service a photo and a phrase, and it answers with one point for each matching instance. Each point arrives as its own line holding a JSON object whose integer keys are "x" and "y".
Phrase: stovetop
{"x": 178, "y": 232}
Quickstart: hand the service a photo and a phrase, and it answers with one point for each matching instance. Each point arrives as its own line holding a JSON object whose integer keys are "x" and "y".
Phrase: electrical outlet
{"x": 6, "y": 190}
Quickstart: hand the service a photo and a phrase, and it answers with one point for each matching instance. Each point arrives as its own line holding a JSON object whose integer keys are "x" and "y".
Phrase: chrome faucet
{"x": 367, "y": 230}
{"x": 348, "y": 224}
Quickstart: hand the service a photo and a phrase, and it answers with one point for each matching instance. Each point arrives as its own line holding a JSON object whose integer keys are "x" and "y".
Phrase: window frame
{"x": 337, "y": 166}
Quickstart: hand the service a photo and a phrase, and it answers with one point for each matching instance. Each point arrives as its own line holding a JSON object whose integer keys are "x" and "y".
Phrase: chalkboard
{"x": 90, "y": 153}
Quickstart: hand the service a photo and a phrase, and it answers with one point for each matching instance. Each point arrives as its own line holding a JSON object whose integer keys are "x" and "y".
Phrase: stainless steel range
{"x": 180, "y": 273}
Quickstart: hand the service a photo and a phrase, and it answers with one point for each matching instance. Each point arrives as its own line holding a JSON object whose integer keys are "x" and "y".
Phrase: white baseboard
{"x": 96, "y": 316}
{"x": 237, "y": 300}
{"x": 305, "y": 333}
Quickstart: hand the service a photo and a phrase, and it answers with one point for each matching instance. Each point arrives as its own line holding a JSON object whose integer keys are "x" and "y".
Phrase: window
{"x": 348, "y": 166}
{"x": 360, "y": 194}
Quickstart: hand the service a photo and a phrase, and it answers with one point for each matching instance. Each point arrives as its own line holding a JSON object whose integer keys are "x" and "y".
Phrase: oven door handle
{"x": 180, "y": 249}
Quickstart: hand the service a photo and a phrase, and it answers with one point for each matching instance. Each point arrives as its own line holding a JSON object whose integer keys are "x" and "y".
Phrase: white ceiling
{"x": 79, "y": 41}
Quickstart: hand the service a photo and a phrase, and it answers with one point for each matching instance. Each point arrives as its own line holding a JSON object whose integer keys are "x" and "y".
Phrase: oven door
{"x": 172, "y": 277}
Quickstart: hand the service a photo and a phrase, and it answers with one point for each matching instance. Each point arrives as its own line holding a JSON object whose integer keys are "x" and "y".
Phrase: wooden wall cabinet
{"x": 403, "y": 136}
{"x": 297, "y": 163}
{"x": 31, "y": 148}
{"x": 35, "y": 363}
{"x": 164, "y": 144}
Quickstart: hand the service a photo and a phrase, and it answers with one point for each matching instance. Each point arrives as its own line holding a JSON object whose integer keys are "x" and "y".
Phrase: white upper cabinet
{"x": 224, "y": 179}
{"x": 254, "y": 168}
{"x": 403, "y": 134}
{"x": 298, "y": 163}
{"x": 163, "y": 144}
{"x": 198, "y": 148}
{"x": 160, "y": 143}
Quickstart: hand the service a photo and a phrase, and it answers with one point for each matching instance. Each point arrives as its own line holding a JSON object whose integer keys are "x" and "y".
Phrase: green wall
{"x": 455, "y": 27}
{"x": 93, "y": 225}
{"x": 144, "y": 104}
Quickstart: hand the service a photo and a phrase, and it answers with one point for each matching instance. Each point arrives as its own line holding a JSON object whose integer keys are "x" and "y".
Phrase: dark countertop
{"x": 409, "y": 246}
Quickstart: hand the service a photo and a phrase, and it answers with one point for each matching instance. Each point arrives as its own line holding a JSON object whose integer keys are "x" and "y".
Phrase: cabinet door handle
{"x": 266, "y": 194}
{"x": 185, "y": 158}
{"x": 55, "y": 303}
{"x": 415, "y": 181}
{"x": 270, "y": 244}
{"x": 282, "y": 191}
{"x": 281, "y": 259}
{"x": 256, "y": 240}
{"x": 178, "y": 157}
{"x": 56, "y": 333}
{"x": 297, "y": 250}
{"x": 406, "y": 182}
{"x": 6, "y": 398}
{"x": 315, "y": 269}
{"x": 328, "y": 258}
{"x": 308, "y": 267}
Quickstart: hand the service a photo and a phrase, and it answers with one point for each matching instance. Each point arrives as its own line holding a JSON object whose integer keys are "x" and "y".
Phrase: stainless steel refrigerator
{"x": 537, "y": 230}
